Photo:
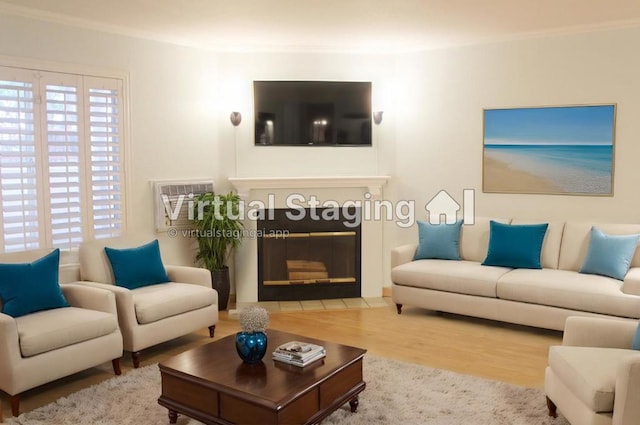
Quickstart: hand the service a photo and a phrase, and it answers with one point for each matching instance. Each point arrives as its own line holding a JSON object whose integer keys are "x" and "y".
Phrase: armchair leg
{"x": 15, "y": 404}
{"x": 116, "y": 366}
{"x": 212, "y": 331}
{"x": 135, "y": 356}
{"x": 399, "y": 308}
{"x": 553, "y": 410}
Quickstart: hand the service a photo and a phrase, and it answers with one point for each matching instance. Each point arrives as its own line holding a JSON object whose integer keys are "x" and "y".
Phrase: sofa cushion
{"x": 463, "y": 277}
{"x": 136, "y": 267}
{"x": 589, "y": 372}
{"x": 474, "y": 238}
{"x": 52, "y": 329}
{"x": 609, "y": 255}
{"x": 156, "y": 302}
{"x": 441, "y": 241}
{"x": 516, "y": 246}
{"x": 575, "y": 242}
{"x": 550, "y": 253}
{"x": 570, "y": 290}
{"x": 29, "y": 287}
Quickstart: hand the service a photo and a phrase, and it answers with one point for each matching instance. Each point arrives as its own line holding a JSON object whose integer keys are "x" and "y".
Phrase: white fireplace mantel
{"x": 244, "y": 185}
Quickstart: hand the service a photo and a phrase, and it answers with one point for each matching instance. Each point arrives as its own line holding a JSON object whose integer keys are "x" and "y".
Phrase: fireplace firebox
{"x": 310, "y": 256}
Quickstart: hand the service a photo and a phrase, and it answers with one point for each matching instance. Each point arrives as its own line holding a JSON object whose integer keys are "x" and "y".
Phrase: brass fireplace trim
{"x": 308, "y": 235}
{"x": 309, "y": 281}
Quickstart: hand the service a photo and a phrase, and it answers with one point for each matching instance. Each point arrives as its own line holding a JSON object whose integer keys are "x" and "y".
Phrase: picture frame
{"x": 559, "y": 150}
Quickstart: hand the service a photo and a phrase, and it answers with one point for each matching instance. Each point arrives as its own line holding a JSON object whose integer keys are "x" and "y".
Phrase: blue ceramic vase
{"x": 251, "y": 346}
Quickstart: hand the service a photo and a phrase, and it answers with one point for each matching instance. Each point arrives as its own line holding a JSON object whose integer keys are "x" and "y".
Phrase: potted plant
{"x": 218, "y": 232}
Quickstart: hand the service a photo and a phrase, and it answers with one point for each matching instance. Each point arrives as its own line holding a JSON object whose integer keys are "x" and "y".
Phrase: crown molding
{"x": 88, "y": 24}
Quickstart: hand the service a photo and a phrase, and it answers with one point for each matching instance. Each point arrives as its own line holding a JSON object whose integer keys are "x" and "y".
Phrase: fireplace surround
{"x": 341, "y": 189}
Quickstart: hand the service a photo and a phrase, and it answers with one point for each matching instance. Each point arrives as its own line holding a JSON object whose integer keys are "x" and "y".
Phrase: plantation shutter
{"x": 105, "y": 136}
{"x": 18, "y": 158}
{"x": 61, "y": 163}
{"x": 63, "y": 140}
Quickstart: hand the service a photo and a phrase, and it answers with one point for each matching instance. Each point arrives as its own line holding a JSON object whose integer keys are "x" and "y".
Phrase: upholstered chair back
{"x": 94, "y": 264}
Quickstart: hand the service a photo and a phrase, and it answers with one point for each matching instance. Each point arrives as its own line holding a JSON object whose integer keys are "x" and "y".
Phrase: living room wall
{"x": 441, "y": 95}
{"x": 237, "y": 71}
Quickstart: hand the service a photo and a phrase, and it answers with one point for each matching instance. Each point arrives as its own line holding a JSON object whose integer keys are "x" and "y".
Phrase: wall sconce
{"x": 377, "y": 117}
{"x": 236, "y": 118}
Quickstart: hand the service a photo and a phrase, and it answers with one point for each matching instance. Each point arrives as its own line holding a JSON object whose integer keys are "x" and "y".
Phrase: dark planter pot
{"x": 221, "y": 283}
{"x": 251, "y": 346}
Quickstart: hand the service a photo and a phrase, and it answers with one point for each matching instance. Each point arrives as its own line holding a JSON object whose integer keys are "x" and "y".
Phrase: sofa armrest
{"x": 90, "y": 298}
{"x": 187, "y": 274}
{"x": 124, "y": 303}
{"x": 631, "y": 283}
{"x": 598, "y": 332}
{"x": 626, "y": 409}
{"x": 9, "y": 345}
{"x": 403, "y": 254}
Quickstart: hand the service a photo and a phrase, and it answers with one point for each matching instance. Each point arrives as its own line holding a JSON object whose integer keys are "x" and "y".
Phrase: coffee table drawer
{"x": 239, "y": 411}
{"x": 339, "y": 384}
{"x": 190, "y": 394}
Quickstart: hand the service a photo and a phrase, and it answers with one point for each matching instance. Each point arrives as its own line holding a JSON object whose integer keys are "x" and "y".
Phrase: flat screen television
{"x": 312, "y": 113}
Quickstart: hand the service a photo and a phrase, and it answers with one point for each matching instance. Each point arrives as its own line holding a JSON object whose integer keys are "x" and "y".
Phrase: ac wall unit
{"x": 172, "y": 201}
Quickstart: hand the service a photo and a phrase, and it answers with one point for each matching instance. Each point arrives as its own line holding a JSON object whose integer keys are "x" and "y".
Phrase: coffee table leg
{"x": 173, "y": 416}
{"x": 354, "y": 404}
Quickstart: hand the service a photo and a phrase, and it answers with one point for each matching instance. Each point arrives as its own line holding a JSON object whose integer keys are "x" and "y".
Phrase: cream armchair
{"x": 46, "y": 345}
{"x": 156, "y": 313}
{"x": 594, "y": 377}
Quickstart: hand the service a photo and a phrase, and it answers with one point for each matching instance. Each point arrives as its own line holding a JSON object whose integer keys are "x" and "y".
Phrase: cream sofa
{"x": 46, "y": 345}
{"x": 156, "y": 313}
{"x": 542, "y": 298}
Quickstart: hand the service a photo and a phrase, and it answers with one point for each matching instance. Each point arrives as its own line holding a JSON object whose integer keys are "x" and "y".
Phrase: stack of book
{"x": 299, "y": 353}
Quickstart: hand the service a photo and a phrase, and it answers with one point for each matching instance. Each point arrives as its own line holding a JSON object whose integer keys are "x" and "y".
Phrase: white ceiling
{"x": 332, "y": 25}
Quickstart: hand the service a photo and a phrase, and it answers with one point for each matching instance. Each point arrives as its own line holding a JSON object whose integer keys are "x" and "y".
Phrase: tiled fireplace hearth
{"x": 298, "y": 275}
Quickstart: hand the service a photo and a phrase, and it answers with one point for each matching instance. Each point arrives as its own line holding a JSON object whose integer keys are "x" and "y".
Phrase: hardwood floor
{"x": 500, "y": 351}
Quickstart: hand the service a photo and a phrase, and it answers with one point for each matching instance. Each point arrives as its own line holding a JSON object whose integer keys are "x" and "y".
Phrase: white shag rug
{"x": 396, "y": 393}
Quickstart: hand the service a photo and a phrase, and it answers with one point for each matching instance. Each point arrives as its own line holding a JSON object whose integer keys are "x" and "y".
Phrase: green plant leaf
{"x": 218, "y": 226}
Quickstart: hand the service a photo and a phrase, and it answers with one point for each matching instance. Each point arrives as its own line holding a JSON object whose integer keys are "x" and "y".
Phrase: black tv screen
{"x": 312, "y": 113}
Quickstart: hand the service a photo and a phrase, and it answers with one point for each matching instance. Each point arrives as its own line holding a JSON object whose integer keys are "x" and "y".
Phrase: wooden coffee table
{"x": 210, "y": 383}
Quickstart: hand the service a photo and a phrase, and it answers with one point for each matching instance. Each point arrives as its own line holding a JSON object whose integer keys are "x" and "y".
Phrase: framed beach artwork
{"x": 549, "y": 150}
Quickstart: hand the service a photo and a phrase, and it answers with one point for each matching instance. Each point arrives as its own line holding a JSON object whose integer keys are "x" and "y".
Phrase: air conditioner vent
{"x": 172, "y": 201}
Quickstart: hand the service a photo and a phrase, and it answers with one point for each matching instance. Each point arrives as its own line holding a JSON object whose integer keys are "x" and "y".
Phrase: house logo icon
{"x": 443, "y": 205}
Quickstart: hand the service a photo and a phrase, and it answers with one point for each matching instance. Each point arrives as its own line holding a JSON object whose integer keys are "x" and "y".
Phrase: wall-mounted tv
{"x": 312, "y": 113}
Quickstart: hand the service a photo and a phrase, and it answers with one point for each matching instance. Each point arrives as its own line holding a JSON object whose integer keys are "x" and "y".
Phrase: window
{"x": 61, "y": 159}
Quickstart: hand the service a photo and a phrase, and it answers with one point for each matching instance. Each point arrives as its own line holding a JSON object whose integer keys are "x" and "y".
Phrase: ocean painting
{"x": 550, "y": 150}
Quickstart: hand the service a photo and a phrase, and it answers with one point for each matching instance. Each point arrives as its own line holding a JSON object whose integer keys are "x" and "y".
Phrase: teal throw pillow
{"x": 137, "y": 267}
{"x": 515, "y": 245}
{"x": 441, "y": 241}
{"x": 29, "y": 287}
{"x": 636, "y": 339}
{"x": 609, "y": 255}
